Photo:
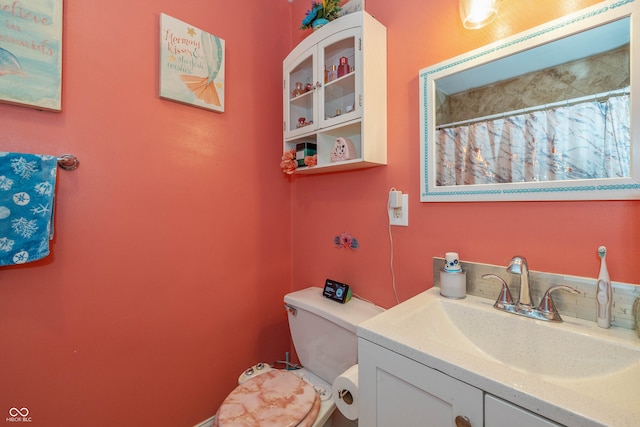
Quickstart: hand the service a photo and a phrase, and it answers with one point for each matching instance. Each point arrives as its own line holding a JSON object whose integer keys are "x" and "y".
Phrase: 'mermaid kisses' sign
{"x": 191, "y": 65}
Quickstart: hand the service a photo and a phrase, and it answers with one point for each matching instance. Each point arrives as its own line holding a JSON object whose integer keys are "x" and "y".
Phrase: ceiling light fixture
{"x": 477, "y": 13}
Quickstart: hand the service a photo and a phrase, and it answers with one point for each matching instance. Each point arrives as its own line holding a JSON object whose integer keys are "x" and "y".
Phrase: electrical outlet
{"x": 400, "y": 216}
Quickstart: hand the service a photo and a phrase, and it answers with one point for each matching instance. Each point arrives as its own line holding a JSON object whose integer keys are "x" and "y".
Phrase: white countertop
{"x": 610, "y": 399}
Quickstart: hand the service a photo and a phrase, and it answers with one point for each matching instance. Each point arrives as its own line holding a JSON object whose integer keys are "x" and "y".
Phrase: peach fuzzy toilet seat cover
{"x": 273, "y": 399}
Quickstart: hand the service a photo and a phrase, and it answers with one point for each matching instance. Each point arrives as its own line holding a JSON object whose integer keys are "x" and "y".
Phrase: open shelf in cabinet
{"x": 325, "y": 141}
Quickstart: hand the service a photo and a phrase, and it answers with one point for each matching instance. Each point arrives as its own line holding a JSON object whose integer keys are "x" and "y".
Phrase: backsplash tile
{"x": 581, "y": 306}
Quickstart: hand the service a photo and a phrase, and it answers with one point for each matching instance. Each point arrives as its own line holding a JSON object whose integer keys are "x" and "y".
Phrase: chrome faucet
{"x": 524, "y": 306}
{"x": 518, "y": 265}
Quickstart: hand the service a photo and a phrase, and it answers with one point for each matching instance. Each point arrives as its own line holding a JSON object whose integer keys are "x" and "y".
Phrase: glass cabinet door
{"x": 340, "y": 58}
{"x": 300, "y": 115}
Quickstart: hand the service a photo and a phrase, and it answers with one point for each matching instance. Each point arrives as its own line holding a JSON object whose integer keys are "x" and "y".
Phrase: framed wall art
{"x": 191, "y": 65}
{"x": 31, "y": 53}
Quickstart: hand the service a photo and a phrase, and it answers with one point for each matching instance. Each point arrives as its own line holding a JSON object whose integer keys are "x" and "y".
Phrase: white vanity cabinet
{"x": 500, "y": 413}
{"x": 321, "y": 105}
{"x": 396, "y": 391}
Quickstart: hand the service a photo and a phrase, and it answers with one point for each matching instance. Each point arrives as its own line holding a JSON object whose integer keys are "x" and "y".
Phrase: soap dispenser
{"x": 453, "y": 281}
{"x": 603, "y": 292}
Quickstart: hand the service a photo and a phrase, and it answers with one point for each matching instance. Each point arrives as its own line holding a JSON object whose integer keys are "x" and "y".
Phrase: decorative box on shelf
{"x": 303, "y": 150}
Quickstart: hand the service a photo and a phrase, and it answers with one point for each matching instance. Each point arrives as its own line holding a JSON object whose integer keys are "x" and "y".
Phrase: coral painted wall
{"x": 559, "y": 237}
{"x": 178, "y": 235}
{"x": 172, "y": 249}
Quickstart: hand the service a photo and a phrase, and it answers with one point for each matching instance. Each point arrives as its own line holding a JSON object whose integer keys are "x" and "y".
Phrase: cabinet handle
{"x": 317, "y": 86}
{"x": 462, "y": 421}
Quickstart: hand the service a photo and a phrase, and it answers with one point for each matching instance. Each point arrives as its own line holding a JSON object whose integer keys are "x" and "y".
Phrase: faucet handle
{"x": 548, "y": 308}
{"x": 505, "y": 295}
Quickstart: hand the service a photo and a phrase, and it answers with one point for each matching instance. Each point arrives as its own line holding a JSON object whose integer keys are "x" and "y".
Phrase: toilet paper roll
{"x": 345, "y": 393}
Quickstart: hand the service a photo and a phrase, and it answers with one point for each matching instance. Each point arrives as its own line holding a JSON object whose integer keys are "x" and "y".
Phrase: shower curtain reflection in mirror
{"x": 581, "y": 141}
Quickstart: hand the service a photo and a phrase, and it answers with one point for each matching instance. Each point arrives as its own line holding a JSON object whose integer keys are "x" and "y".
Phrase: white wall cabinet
{"x": 397, "y": 391}
{"x": 320, "y": 106}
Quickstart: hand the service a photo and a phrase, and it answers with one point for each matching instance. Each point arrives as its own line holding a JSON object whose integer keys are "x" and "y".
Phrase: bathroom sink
{"x": 568, "y": 350}
{"x": 556, "y": 369}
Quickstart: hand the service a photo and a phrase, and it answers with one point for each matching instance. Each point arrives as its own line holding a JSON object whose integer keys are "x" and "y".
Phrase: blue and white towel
{"x": 27, "y": 186}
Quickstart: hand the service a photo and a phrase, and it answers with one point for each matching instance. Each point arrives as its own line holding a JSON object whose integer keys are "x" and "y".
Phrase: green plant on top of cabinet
{"x": 335, "y": 94}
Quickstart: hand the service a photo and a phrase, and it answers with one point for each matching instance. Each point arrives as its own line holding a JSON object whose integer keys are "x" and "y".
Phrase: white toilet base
{"x": 328, "y": 406}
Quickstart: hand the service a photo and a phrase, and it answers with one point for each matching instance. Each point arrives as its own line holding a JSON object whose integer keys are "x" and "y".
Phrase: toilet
{"x": 324, "y": 336}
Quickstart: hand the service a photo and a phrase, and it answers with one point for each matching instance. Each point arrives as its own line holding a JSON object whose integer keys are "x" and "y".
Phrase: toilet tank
{"x": 324, "y": 331}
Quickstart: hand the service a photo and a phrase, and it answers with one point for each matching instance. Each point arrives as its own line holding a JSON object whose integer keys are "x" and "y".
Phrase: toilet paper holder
{"x": 345, "y": 393}
{"x": 346, "y": 396}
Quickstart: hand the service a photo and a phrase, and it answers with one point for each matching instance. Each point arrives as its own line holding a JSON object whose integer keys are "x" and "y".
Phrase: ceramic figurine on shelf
{"x": 343, "y": 149}
{"x": 298, "y": 90}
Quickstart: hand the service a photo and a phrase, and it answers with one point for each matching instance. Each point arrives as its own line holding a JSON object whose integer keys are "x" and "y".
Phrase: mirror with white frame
{"x": 542, "y": 115}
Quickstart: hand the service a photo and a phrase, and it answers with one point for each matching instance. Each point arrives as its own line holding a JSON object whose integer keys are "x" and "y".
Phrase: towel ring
{"x": 68, "y": 162}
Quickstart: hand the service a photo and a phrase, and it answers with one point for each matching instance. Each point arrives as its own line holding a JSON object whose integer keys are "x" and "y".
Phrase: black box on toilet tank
{"x": 336, "y": 291}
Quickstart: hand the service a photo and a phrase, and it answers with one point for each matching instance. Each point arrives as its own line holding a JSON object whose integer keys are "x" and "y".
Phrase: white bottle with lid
{"x": 453, "y": 281}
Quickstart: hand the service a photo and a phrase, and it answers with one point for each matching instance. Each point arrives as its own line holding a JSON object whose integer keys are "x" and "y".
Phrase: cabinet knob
{"x": 317, "y": 86}
{"x": 462, "y": 421}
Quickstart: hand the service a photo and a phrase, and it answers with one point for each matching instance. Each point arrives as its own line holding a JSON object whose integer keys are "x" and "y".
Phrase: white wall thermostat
{"x": 336, "y": 291}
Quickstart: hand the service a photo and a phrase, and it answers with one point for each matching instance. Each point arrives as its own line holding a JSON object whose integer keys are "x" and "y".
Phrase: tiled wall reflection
{"x": 597, "y": 74}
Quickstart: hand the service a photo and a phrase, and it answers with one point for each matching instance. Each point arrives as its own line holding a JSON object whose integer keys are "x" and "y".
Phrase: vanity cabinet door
{"x": 398, "y": 392}
{"x": 500, "y": 413}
